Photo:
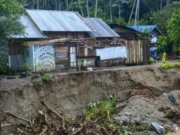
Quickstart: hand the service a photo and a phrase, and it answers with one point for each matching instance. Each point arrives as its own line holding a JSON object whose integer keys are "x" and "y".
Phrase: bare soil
{"x": 68, "y": 93}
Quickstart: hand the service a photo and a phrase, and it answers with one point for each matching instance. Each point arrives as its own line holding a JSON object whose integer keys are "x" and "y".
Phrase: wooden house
{"x": 56, "y": 39}
{"x": 137, "y": 46}
{"x": 152, "y": 30}
{"x": 41, "y": 44}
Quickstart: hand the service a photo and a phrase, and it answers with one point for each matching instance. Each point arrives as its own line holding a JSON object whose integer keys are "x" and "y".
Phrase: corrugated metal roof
{"x": 100, "y": 28}
{"x": 143, "y": 28}
{"x": 58, "y": 21}
{"x": 30, "y": 29}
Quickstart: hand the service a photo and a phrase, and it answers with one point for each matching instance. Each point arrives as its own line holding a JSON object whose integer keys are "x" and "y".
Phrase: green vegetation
{"x": 151, "y": 61}
{"x": 174, "y": 29}
{"x": 103, "y": 109}
{"x": 10, "y": 12}
{"x": 162, "y": 17}
{"x": 27, "y": 67}
{"x": 162, "y": 42}
{"x": 46, "y": 78}
{"x": 172, "y": 37}
{"x": 177, "y": 64}
{"x": 168, "y": 65}
{"x": 126, "y": 133}
{"x": 5, "y": 69}
{"x": 112, "y": 11}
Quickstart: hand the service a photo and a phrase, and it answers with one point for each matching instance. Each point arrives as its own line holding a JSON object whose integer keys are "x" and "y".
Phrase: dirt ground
{"x": 139, "y": 90}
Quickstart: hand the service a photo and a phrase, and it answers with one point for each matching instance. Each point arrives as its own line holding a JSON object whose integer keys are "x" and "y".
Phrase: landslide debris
{"x": 106, "y": 117}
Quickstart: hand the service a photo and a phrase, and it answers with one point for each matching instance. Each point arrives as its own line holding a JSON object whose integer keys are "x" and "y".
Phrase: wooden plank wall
{"x": 138, "y": 51}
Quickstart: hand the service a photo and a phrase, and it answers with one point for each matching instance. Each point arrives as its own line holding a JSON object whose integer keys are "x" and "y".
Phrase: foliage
{"x": 161, "y": 17}
{"x": 102, "y": 109}
{"x": 118, "y": 9}
{"x": 146, "y": 34}
{"x": 174, "y": 28}
{"x": 162, "y": 42}
{"x": 46, "y": 78}
{"x": 126, "y": 133}
{"x": 120, "y": 21}
{"x": 27, "y": 67}
{"x": 10, "y": 11}
{"x": 177, "y": 65}
{"x": 151, "y": 61}
{"x": 5, "y": 69}
{"x": 167, "y": 65}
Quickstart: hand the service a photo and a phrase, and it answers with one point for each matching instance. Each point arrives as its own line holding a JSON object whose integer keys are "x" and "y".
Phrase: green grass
{"x": 46, "y": 78}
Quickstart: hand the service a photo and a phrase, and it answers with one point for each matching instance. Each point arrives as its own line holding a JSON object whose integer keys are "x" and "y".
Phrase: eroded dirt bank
{"x": 69, "y": 93}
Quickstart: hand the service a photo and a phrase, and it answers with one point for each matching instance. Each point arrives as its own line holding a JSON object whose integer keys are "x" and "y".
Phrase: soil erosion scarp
{"x": 69, "y": 93}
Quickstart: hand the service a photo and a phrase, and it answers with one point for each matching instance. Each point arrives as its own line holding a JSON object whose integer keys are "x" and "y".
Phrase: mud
{"x": 69, "y": 93}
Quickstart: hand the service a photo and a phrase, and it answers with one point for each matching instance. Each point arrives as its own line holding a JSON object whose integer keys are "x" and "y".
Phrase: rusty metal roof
{"x": 58, "y": 21}
{"x": 30, "y": 29}
{"x": 100, "y": 28}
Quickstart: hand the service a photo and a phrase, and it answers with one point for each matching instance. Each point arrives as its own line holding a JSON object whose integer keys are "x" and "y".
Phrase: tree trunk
{"x": 137, "y": 12}
{"x": 87, "y": 7}
{"x": 96, "y": 6}
{"x": 44, "y": 4}
{"x": 110, "y": 7}
{"x": 132, "y": 11}
{"x": 59, "y": 5}
{"x": 161, "y": 4}
{"x": 167, "y": 3}
{"x": 33, "y": 4}
{"x": 37, "y": 4}
{"x": 67, "y": 5}
{"x": 119, "y": 9}
{"x": 56, "y": 5}
{"x": 104, "y": 9}
{"x": 79, "y": 3}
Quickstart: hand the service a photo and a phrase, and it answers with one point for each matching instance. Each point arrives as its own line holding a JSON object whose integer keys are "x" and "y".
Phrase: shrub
{"x": 103, "y": 109}
{"x": 167, "y": 65}
{"x": 46, "y": 78}
{"x": 5, "y": 69}
{"x": 151, "y": 61}
{"x": 177, "y": 65}
{"x": 26, "y": 67}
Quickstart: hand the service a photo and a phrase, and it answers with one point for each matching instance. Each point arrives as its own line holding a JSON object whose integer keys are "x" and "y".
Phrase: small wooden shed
{"x": 137, "y": 46}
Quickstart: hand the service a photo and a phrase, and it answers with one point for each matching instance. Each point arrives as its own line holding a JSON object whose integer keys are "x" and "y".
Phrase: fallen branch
{"x": 45, "y": 118}
{"x": 17, "y": 117}
{"x": 53, "y": 111}
{"x": 78, "y": 130}
{"x": 104, "y": 129}
{"x": 44, "y": 130}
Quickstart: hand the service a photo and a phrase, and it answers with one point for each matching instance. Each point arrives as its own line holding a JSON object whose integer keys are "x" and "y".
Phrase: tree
{"x": 87, "y": 7}
{"x": 174, "y": 28}
{"x": 161, "y": 18}
{"x": 10, "y": 12}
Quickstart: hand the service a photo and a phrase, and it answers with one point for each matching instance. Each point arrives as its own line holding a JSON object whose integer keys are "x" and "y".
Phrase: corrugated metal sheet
{"x": 58, "y": 21}
{"x": 30, "y": 29}
{"x": 143, "y": 28}
{"x": 100, "y": 28}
